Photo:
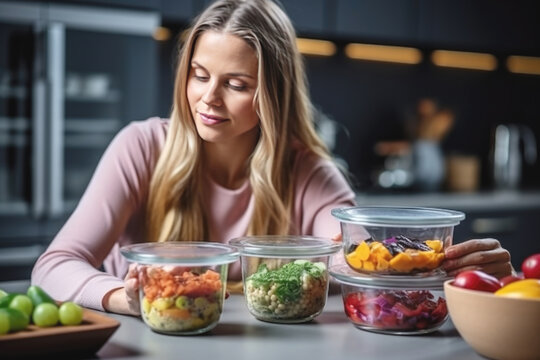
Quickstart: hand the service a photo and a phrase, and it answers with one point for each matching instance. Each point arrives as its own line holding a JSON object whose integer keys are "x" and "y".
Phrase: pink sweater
{"x": 110, "y": 214}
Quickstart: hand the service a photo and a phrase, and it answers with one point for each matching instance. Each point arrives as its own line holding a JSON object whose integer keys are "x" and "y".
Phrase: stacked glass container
{"x": 392, "y": 279}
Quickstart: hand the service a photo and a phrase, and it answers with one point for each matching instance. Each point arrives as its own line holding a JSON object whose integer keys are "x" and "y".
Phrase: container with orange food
{"x": 382, "y": 240}
{"x": 181, "y": 284}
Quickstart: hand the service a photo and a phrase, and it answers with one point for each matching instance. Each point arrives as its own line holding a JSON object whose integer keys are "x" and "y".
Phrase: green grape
{"x": 2, "y": 293}
{"x": 17, "y": 319}
{"x": 45, "y": 315}
{"x": 22, "y": 303}
{"x": 70, "y": 313}
{"x": 4, "y": 323}
{"x": 6, "y": 299}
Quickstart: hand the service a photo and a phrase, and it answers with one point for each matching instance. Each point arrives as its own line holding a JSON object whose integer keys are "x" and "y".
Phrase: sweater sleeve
{"x": 68, "y": 269}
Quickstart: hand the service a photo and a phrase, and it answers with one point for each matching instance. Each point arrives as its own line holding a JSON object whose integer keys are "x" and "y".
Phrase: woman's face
{"x": 221, "y": 87}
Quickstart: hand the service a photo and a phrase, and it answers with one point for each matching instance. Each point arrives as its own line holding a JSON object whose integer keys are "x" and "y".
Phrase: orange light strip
{"x": 162, "y": 34}
{"x": 464, "y": 60}
{"x": 523, "y": 64}
{"x": 385, "y": 53}
{"x": 316, "y": 47}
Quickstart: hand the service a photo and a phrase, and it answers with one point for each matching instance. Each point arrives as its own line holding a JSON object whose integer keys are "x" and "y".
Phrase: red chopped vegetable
{"x": 395, "y": 310}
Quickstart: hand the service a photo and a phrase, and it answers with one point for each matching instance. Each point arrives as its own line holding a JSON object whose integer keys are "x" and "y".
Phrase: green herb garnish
{"x": 288, "y": 278}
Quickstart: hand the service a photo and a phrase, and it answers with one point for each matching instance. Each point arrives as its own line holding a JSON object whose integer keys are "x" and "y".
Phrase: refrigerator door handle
{"x": 39, "y": 158}
{"x": 39, "y": 138}
{"x": 55, "y": 38}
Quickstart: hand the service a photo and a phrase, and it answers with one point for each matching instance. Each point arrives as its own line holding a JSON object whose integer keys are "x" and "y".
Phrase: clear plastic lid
{"x": 285, "y": 246}
{"x": 344, "y": 274}
{"x": 398, "y": 216}
{"x": 180, "y": 252}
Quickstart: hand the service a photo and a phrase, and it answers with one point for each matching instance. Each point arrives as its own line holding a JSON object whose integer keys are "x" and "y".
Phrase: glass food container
{"x": 285, "y": 278}
{"x": 398, "y": 306}
{"x": 182, "y": 284}
{"x": 382, "y": 241}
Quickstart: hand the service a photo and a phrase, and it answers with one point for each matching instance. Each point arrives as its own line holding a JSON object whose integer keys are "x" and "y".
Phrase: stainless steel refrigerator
{"x": 70, "y": 78}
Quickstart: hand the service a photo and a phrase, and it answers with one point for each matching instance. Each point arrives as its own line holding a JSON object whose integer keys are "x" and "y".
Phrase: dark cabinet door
{"x": 310, "y": 17}
{"x": 181, "y": 11}
{"x": 377, "y": 20}
{"x": 481, "y": 25}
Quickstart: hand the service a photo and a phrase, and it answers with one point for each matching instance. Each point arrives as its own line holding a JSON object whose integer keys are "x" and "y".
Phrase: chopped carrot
{"x": 160, "y": 283}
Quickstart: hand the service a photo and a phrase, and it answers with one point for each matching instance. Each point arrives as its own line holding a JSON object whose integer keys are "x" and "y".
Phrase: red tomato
{"x": 477, "y": 280}
{"x": 531, "y": 267}
{"x": 509, "y": 279}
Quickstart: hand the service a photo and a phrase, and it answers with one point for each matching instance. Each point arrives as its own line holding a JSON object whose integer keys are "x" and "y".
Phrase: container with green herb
{"x": 285, "y": 277}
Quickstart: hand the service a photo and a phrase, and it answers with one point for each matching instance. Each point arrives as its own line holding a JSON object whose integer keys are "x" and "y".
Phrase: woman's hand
{"x": 486, "y": 255}
{"x": 125, "y": 300}
{"x": 337, "y": 237}
{"x": 131, "y": 286}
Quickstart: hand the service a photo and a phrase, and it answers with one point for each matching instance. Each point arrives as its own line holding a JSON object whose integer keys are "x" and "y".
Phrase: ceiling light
{"x": 396, "y": 54}
{"x": 523, "y": 64}
{"x": 464, "y": 60}
{"x": 316, "y": 47}
{"x": 161, "y": 34}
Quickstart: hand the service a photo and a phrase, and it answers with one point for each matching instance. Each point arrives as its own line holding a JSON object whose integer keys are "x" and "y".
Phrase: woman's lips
{"x": 208, "y": 119}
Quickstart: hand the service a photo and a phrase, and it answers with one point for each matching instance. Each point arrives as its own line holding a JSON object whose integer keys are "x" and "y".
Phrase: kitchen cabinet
{"x": 139, "y": 4}
{"x": 179, "y": 11}
{"x": 391, "y": 21}
{"x": 126, "y": 4}
{"x": 70, "y": 78}
{"x": 310, "y": 17}
{"x": 482, "y": 25}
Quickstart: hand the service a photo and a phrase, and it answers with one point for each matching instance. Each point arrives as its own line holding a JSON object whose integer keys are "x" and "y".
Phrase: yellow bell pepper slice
{"x": 521, "y": 289}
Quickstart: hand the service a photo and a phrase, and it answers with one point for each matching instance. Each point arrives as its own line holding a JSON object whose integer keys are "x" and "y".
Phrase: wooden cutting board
{"x": 86, "y": 338}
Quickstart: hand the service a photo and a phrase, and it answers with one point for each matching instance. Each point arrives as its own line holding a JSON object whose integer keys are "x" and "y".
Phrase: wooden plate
{"x": 86, "y": 338}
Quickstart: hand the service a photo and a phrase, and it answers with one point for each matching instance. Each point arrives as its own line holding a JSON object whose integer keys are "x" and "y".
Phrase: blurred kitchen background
{"x": 426, "y": 103}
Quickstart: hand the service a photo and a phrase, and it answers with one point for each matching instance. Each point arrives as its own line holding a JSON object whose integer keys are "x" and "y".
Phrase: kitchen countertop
{"x": 240, "y": 336}
{"x": 488, "y": 200}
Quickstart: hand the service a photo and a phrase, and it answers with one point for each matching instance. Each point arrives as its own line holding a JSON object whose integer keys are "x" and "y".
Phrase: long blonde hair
{"x": 285, "y": 111}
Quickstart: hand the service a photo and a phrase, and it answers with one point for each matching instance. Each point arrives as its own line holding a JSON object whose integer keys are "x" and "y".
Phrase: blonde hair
{"x": 285, "y": 111}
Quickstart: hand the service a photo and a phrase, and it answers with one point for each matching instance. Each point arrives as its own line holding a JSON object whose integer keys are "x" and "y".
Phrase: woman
{"x": 238, "y": 156}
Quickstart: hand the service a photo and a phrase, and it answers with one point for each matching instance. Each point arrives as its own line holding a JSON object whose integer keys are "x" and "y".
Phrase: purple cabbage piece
{"x": 389, "y": 241}
{"x": 381, "y": 311}
{"x": 399, "y": 243}
{"x": 412, "y": 243}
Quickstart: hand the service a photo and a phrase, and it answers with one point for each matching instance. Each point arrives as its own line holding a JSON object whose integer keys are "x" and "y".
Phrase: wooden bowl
{"x": 497, "y": 327}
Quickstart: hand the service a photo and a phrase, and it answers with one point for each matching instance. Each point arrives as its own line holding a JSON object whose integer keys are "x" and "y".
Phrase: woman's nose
{"x": 212, "y": 95}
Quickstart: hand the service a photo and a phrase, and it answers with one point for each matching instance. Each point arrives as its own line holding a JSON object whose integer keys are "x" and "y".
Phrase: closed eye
{"x": 236, "y": 87}
{"x": 200, "y": 77}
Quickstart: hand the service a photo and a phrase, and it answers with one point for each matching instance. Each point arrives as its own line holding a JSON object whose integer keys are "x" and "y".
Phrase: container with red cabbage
{"x": 400, "y": 306}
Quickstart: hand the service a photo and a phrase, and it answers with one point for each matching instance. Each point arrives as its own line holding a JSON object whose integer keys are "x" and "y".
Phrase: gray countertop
{"x": 492, "y": 200}
{"x": 240, "y": 336}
